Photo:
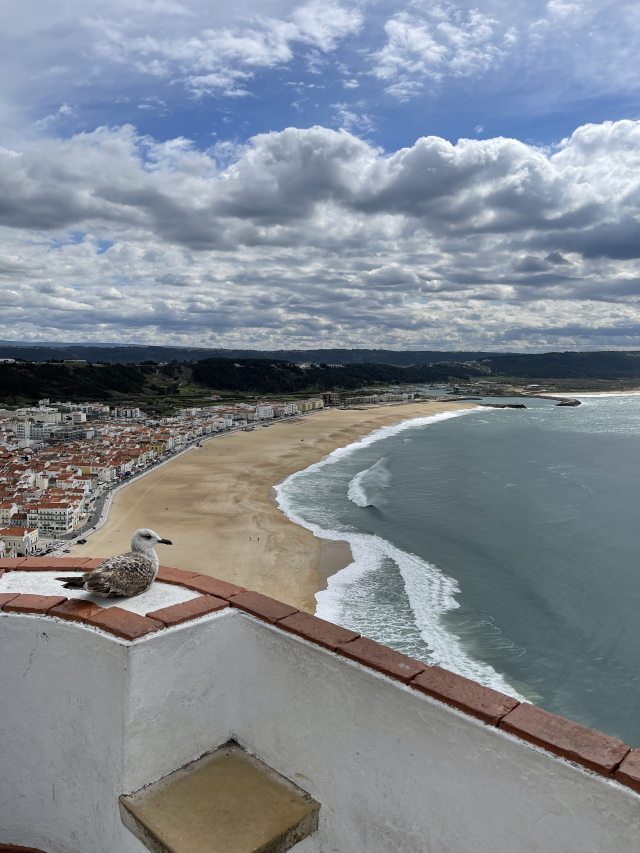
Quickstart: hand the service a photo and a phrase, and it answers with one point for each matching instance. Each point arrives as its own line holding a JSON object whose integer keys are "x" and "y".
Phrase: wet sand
{"x": 215, "y": 503}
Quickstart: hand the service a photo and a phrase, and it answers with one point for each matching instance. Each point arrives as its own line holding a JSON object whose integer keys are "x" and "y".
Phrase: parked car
{"x": 82, "y": 541}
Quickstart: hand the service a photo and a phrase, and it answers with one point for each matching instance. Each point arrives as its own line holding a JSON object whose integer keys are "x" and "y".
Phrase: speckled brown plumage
{"x": 124, "y": 575}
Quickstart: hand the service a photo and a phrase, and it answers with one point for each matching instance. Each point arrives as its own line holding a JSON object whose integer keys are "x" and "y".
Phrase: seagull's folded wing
{"x": 102, "y": 582}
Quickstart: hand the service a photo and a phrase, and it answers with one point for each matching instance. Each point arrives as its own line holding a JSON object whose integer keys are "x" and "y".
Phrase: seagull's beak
{"x": 165, "y": 542}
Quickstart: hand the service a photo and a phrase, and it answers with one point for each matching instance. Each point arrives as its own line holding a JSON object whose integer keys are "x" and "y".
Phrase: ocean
{"x": 501, "y": 544}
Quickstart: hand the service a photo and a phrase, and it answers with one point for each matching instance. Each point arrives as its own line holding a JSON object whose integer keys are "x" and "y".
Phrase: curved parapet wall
{"x": 111, "y": 697}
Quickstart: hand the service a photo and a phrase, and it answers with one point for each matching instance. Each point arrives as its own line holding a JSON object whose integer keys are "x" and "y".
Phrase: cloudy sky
{"x": 409, "y": 175}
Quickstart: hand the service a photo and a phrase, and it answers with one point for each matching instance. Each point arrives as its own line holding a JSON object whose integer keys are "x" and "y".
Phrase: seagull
{"x": 124, "y": 575}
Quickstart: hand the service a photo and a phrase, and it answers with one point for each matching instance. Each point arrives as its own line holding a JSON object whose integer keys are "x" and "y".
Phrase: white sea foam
{"x": 431, "y": 593}
{"x": 580, "y": 395}
{"x": 367, "y": 488}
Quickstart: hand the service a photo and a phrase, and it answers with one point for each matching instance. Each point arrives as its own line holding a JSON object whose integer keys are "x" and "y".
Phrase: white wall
{"x": 182, "y": 696}
{"x": 61, "y": 704}
{"x": 92, "y": 717}
{"x": 397, "y": 771}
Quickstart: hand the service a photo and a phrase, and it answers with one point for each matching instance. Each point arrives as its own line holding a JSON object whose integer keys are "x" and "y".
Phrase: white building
{"x": 41, "y": 414}
{"x": 52, "y": 518}
{"x": 19, "y": 541}
{"x": 76, "y": 417}
{"x": 127, "y": 412}
{"x": 7, "y": 510}
{"x": 264, "y": 412}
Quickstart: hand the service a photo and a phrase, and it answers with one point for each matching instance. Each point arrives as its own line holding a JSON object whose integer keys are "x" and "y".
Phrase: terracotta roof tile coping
{"x": 166, "y": 574}
{"x": 25, "y": 603}
{"x": 13, "y": 848}
{"x": 92, "y": 564}
{"x": 75, "y": 610}
{"x": 9, "y": 564}
{"x": 211, "y": 586}
{"x": 382, "y": 658}
{"x": 262, "y": 606}
{"x": 176, "y": 614}
{"x": 5, "y": 597}
{"x": 466, "y": 695}
{"x": 123, "y": 623}
{"x": 48, "y": 564}
{"x": 317, "y": 630}
{"x": 594, "y": 750}
{"x": 629, "y": 771}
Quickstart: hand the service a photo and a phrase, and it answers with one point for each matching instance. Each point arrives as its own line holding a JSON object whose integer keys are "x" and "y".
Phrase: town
{"x": 60, "y": 462}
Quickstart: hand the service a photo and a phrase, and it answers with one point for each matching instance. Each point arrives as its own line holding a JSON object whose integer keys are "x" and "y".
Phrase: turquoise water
{"x": 501, "y": 544}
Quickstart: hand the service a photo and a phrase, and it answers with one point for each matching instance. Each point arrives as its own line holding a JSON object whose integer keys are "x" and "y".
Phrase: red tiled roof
{"x": 16, "y": 531}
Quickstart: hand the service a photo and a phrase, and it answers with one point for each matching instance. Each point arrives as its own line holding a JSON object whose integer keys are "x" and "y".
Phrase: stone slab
{"x": 225, "y": 801}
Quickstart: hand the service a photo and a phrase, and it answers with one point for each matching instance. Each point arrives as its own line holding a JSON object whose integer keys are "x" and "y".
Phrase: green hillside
{"x": 189, "y": 383}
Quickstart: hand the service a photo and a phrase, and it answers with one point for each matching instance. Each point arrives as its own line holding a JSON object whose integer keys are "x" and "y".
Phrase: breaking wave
{"x": 430, "y": 592}
{"x": 368, "y": 487}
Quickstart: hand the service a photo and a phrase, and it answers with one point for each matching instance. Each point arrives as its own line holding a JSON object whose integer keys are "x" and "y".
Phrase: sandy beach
{"x": 215, "y": 503}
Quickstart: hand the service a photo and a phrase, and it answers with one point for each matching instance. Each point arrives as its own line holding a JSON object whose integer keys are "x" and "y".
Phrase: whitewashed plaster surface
{"x": 395, "y": 771}
{"x": 44, "y": 583}
{"x": 62, "y": 692}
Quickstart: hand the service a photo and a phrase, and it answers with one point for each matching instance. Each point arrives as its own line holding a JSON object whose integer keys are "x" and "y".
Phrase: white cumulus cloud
{"x": 487, "y": 243}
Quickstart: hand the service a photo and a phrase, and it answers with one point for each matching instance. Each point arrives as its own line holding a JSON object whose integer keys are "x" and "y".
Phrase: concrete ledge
{"x": 225, "y": 801}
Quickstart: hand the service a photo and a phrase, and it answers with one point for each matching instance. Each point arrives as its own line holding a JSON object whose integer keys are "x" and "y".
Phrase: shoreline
{"x": 334, "y": 554}
{"x": 216, "y": 503}
{"x": 603, "y": 393}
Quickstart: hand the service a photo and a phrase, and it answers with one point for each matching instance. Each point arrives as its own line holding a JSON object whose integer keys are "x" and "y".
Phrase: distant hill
{"x": 566, "y": 365}
{"x": 138, "y": 354}
{"x": 61, "y": 381}
{"x": 58, "y": 344}
{"x": 552, "y": 365}
{"x": 284, "y": 377}
{"x": 31, "y": 381}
